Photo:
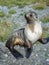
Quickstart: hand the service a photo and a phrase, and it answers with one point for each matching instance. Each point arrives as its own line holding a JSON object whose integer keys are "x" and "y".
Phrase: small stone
{"x": 3, "y": 60}
{"x": 45, "y": 49}
{"x": 36, "y": 54}
{"x": 47, "y": 60}
{"x": 6, "y": 55}
{"x": 14, "y": 61}
{"x": 48, "y": 54}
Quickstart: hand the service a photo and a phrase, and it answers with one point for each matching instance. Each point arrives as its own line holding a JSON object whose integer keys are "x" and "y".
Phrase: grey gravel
{"x": 39, "y": 55}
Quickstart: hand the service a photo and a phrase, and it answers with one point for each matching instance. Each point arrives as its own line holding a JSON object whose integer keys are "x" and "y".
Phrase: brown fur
{"x": 18, "y": 41}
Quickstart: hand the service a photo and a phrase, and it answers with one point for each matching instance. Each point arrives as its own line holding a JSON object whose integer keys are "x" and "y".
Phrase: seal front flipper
{"x": 28, "y": 49}
{"x": 28, "y": 52}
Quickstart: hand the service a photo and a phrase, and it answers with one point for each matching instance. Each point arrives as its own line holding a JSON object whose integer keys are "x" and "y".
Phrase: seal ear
{"x": 26, "y": 18}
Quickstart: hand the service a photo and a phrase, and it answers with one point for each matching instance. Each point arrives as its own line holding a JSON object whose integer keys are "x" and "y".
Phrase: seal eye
{"x": 30, "y": 15}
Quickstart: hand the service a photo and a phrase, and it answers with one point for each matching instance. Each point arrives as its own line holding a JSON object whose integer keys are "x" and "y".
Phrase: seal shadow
{"x": 16, "y": 54}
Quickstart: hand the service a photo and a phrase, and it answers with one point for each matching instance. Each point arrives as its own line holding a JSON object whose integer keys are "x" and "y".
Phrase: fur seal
{"x": 28, "y": 35}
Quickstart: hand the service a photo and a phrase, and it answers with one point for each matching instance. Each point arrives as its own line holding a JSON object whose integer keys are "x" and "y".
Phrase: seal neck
{"x": 32, "y": 22}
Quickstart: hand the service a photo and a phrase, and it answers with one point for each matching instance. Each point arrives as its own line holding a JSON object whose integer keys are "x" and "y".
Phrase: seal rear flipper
{"x": 44, "y": 40}
{"x": 8, "y": 43}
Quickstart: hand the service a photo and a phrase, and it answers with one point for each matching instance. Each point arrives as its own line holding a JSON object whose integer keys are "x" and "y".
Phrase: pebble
{"x": 6, "y": 55}
{"x": 47, "y": 60}
{"x": 45, "y": 49}
{"x": 36, "y": 54}
{"x": 14, "y": 60}
{"x": 48, "y": 54}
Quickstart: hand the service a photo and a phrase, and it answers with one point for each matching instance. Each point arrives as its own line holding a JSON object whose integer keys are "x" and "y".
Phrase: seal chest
{"x": 34, "y": 35}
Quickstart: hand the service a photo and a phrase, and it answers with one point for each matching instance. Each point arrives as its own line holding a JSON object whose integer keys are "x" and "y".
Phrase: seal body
{"x": 16, "y": 38}
{"x": 34, "y": 35}
{"x": 28, "y": 35}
